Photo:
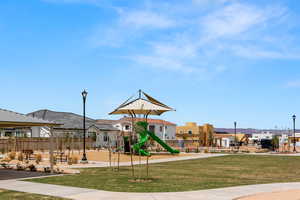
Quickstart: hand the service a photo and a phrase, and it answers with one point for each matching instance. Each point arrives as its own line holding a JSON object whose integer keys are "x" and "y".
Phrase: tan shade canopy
{"x": 9, "y": 119}
{"x": 144, "y": 106}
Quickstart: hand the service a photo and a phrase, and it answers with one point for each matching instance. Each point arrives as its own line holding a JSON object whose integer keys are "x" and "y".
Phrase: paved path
{"x": 277, "y": 195}
{"x": 106, "y": 164}
{"x": 90, "y": 194}
{"x": 6, "y": 174}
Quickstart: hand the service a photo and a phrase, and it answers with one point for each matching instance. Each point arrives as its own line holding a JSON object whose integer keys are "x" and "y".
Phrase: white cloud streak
{"x": 192, "y": 36}
{"x": 293, "y": 84}
{"x": 145, "y": 19}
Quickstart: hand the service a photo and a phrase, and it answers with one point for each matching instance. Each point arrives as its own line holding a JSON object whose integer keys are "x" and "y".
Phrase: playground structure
{"x": 141, "y": 107}
{"x": 144, "y": 136}
{"x": 144, "y": 106}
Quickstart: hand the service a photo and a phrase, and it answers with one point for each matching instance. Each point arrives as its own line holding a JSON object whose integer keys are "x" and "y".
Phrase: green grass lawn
{"x": 189, "y": 175}
{"x": 12, "y": 195}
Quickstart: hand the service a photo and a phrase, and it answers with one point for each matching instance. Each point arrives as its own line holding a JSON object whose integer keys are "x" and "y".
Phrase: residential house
{"x": 165, "y": 130}
{"x": 104, "y": 134}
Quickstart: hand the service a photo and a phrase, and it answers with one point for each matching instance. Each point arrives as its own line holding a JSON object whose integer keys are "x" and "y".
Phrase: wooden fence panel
{"x": 42, "y": 144}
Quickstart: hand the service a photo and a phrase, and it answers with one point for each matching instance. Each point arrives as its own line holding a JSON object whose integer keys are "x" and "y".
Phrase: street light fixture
{"x": 294, "y": 126}
{"x": 235, "y": 135}
{"x": 84, "y": 95}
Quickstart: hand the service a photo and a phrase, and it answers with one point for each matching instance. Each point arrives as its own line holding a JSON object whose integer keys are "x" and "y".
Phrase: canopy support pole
{"x": 130, "y": 143}
{"x": 51, "y": 150}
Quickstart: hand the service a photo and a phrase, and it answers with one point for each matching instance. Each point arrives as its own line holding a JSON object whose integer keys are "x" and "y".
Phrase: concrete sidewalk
{"x": 90, "y": 194}
{"x": 106, "y": 164}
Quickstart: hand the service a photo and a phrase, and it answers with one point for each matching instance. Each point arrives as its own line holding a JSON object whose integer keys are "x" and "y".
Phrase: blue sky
{"x": 215, "y": 61}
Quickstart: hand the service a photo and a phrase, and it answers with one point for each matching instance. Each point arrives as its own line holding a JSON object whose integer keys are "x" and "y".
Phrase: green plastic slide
{"x": 141, "y": 129}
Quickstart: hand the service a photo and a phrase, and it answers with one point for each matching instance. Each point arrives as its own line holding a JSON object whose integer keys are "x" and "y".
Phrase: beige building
{"x": 196, "y": 135}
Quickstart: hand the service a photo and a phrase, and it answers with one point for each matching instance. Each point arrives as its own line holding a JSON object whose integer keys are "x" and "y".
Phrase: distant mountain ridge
{"x": 254, "y": 131}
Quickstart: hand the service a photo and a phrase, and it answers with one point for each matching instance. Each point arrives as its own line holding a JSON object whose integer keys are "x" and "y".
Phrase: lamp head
{"x": 84, "y": 94}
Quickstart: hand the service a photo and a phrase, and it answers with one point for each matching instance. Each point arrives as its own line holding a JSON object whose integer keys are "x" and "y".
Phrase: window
{"x": 127, "y": 127}
{"x": 190, "y": 132}
{"x": 160, "y": 128}
{"x": 8, "y": 134}
{"x": 152, "y": 128}
{"x": 105, "y": 137}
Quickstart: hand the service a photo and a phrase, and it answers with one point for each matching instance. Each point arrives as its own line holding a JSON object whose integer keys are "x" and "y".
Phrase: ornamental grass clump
{"x": 74, "y": 159}
{"x": 38, "y": 158}
{"x": 12, "y": 155}
{"x": 20, "y": 157}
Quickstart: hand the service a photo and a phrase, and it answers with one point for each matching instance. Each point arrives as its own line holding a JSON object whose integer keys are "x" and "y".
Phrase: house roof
{"x": 10, "y": 119}
{"x": 107, "y": 121}
{"x": 152, "y": 121}
{"x": 70, "y": 120}
{"x": 128, "y": 119}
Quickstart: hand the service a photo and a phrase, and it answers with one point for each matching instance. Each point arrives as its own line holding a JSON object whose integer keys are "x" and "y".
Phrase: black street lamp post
{"x": 84, "y": 95}
{"x": 294, "y": 126}
{"x": 235, "y": 134}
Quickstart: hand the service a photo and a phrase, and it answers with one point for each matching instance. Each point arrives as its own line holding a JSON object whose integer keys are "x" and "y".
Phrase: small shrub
{"x": 32, "y": 168}
{"x": 205, "y": 150}
{"x": 54, "y": 160}
{"x": 262, "y": 151}
{"x": 12, "y": 155}
{"x": 187, "y": 150}
{"x": 38, "y": 158}
{"x": 20, "y": 167}
{"x": 6, "y": 159}
{"x": 59, "y": 171}
{"x": 2, "y": 151}
{"x": 70, "y": 162}
{"x": 47, "y": 169}
{"x": 74, "y": 159}
{"x": 20, "y": 157}
{"x": 4, "y": 165}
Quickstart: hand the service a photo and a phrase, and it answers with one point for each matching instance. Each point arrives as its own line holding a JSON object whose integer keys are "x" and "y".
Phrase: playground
{"x": 133, "y": 165}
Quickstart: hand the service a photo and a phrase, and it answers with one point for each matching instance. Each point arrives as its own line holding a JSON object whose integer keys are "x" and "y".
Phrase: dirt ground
{"x": 103, "y": 155}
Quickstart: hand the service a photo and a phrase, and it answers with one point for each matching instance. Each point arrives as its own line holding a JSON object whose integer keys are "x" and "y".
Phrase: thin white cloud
{"x": 293, "y": 84}
{"x": 74, "y": 1}
{"x": 129, "y": 27}
{"x": 260, "y": 53}
{"x": 232, "y": 20}
{"x": 200, "y": 34}
{"x": 145, "y": 19}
